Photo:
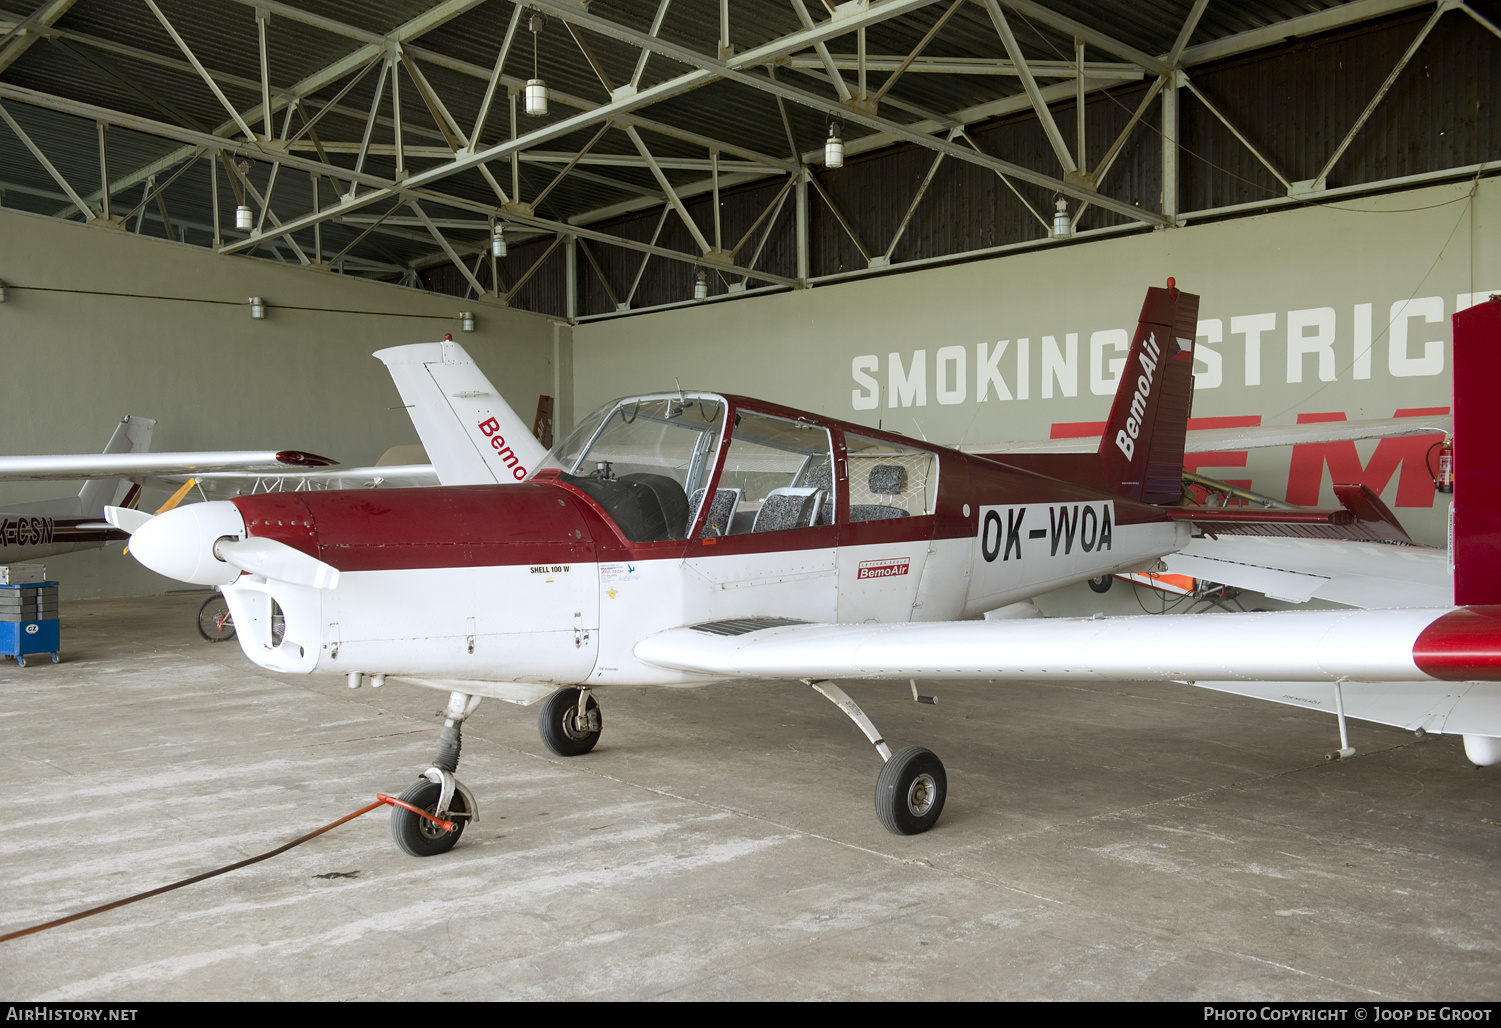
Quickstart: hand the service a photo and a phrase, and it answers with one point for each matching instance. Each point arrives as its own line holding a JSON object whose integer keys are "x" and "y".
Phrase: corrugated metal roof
{"x": 120, "y": 58}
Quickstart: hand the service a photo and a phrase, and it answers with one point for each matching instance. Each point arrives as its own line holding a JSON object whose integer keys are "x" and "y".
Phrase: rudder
{"x": 1475, "y": 529}
{"x": 1141, "y": 451}
{"x": 472, "y": 436}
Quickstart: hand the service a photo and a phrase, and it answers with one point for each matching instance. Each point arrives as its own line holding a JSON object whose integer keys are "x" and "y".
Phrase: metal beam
{"x": 447, "y": 246}
{"x": 672, "y": 196}
{"x": 1326, "y": 20}
{"x": 1033, "y": 11}
{"x": 973, "y": 66}
{"x": 20, "y": 38}
{"x": 88, "y": 212}
{"x": 207, "y": 78}
{"x": 1044, "y": 115}
{"x": 731, "y": 70}
{"x": 1323, "y": 175}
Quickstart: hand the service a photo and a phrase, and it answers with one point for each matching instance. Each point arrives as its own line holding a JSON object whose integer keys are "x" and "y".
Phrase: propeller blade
{"x": 176, "y": 497}
{"x": 126, "y": 519}
{"x": 271, "y": 559}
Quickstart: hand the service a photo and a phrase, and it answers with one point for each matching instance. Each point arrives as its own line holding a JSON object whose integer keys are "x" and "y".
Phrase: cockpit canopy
{"x": 648, "y": 462}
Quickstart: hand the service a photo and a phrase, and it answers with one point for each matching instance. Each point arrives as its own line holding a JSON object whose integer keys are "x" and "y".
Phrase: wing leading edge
{"x": 1437, "y": 669}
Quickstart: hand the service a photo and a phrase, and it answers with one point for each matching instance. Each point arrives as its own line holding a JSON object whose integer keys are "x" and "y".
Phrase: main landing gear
{"x": 912, "y": 785}
{"x": 438, "y": 792}
{"x": 570, "y": 722}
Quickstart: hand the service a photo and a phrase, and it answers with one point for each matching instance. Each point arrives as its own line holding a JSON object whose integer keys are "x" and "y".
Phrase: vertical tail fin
{"x": 1475, "y": 531}
{"x": 131, "y": 435}
{"x": 471, "y": 434}
{"x": 1141, "y": 452}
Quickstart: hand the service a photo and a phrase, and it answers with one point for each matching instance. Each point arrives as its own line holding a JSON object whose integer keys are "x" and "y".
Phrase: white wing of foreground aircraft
{"x": 679, "y": 539}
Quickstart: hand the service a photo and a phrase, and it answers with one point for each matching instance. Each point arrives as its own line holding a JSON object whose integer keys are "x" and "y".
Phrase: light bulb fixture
{"x": 1061, "y": 227}
{"x": 466, "y": 320}
{"x": 498, "y": 242}
{"x": 536, "y": 89}
{"x": 701, "y": 287}
{"x": 244, "y": 219}
{"x": 257, "y": 308}
{"x": 833, "y": 148}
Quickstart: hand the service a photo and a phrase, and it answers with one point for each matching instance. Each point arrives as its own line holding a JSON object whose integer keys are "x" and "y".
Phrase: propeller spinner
{"x": 204, "y": 543}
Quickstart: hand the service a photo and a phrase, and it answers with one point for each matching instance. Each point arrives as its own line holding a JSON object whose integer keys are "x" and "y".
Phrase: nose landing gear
{"x": 438, "y": 792}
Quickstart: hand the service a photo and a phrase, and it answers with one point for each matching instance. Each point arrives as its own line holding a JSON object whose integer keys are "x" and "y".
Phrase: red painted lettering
{"x": 489, "y": 426}
{"x": 1305, "y": 477}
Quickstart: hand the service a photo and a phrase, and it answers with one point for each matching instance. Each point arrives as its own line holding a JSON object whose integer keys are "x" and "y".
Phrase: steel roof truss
{"x": 1321, "y": 180}
{"x": 1044, "y": 114}
{"x": 88, "y": 212}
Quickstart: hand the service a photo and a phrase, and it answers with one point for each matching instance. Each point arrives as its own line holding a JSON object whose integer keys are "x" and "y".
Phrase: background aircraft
{"x": 684, "y": 538}
{"x": 43, "y": 528}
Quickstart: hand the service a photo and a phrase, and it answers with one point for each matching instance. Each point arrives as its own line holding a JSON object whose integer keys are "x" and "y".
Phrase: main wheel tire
{"x": 214, "y": 622}
{"x": 557, "y": 728}
{"x": 419, "y": 836}
{"x": 910, "y": 791}
{"x": 1102, "y": 584}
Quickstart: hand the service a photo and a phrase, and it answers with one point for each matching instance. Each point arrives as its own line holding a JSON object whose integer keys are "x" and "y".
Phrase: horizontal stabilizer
{"x": 1462, "y": 708}
{"x": 1297, "y": 570}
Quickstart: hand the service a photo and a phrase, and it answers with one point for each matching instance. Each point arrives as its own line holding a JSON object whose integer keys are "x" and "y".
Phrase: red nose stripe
{"x": 1462, "y": 646}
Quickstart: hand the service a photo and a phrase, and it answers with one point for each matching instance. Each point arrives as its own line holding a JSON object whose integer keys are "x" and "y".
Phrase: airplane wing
{"x": 1413, "y": 668}
{"x": 1213, "y": 440}
{"x": 1294, "y": 646}
{"x": 63, "y": 466}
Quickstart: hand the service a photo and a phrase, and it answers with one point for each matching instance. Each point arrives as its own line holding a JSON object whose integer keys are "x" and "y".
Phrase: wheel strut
{"x": 437, "y": 792}
{"x": 852, "y": 710}
{"x": 912, "y": 785}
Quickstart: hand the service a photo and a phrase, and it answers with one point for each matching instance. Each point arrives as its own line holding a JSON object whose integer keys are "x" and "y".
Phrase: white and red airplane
{"x": 685, "y": 538}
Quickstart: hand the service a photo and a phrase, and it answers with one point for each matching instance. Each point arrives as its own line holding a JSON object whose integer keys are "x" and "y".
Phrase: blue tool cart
{"x": 28, "y": 621}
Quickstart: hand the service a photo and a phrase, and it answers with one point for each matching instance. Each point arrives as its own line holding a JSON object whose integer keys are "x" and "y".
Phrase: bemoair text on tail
{"x": 1141, "y": 451}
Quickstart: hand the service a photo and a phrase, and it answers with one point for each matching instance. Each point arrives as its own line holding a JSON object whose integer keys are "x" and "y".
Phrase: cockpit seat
{"x": 787, "y": 508}
{"x": 721, "y": 512}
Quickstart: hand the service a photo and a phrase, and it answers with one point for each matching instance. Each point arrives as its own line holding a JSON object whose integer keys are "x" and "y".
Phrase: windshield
{"x": 645, "y": 461}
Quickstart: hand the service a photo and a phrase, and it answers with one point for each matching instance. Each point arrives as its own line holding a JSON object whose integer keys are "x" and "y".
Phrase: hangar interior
{"x": 828, "y": 206}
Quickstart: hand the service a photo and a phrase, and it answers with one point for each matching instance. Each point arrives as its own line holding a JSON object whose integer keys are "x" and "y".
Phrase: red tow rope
{"x": 380, "y": 800}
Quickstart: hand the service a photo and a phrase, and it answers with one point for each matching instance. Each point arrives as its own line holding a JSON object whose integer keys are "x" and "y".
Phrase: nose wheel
{"x": 417, "y": 835}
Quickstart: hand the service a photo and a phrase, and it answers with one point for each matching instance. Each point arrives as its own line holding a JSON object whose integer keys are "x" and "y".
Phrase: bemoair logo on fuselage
{"x": 1045, "y": 530}
{"x": 1125, "y": 438}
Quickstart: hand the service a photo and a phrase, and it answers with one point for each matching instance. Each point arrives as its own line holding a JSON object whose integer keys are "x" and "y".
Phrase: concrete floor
{"x": 1099, "y": 843}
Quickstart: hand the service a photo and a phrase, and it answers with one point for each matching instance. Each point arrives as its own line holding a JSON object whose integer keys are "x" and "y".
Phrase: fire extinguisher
{"x": 1445, "y": 480}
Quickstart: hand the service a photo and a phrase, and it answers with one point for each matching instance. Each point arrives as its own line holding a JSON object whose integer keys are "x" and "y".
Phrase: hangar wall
{"x": 98, "y": 323}
{"x": 1332, "y": 309}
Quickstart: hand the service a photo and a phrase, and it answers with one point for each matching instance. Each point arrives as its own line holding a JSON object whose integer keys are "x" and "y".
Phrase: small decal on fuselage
{"x": 1085, "y": 527}
{"x": 888, "y": 567}
{"x": 551, "y": 569}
